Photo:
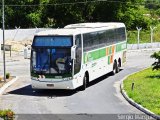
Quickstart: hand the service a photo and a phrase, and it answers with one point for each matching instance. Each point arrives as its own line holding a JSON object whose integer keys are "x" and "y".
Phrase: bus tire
{"x": 118, "y": 68}
{"x": 115, "y": 68}
{"x": 83, "y": 87}
{"x": 119, "y": 65}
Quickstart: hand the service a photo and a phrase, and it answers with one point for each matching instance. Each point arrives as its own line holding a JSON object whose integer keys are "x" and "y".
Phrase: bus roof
{"x": 79, "y": 28}
{"x": 95, "y": 25}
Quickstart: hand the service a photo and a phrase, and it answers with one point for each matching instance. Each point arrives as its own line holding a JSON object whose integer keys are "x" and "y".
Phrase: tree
{"x": 58, "y": 13}
{"x": 152, "y": 4}
{"x": 21, "y": 15}
{"x": 156, "y": 64}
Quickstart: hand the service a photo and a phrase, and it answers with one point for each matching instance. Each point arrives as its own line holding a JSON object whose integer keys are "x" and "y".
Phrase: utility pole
{"x": 152, "y": 28}
{"x": 139, "y": 29}
{"x": 3, "y": 25}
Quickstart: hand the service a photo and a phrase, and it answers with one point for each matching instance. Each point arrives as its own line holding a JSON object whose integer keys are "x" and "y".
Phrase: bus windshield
{"x": 49, "y": 57}
{"x": 52, "y": 41}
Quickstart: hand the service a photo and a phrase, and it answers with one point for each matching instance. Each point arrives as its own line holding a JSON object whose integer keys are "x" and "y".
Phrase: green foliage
{"x": 7, "y": 114}
{"x": 152, "y": 4}
{"x": 145, "y": 35}
{"x": 132, "y": 37}
{"x": 7, "y": 75}
{"x": 34, "y": 19}
{"x": 55, "y": 14}
{"x": 134, "y": 17}
{"x": 158, "y": 12}
{"x": 156, "y": 65}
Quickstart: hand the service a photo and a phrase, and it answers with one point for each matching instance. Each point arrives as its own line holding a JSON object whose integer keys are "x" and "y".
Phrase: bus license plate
{"x": 50, "y": 85}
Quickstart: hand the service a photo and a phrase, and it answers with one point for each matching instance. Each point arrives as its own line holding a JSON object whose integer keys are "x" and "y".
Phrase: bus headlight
{"x": 69, "y": 78}
{"x": 41, "y": 76}
{"x": 65, "y": 79}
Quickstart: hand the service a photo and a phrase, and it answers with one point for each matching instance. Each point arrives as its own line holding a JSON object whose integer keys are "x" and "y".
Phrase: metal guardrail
{"x": 7, "y": 48}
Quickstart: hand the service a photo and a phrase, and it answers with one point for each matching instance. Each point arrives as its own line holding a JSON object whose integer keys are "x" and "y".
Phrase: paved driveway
{"x": 101, "y": 97}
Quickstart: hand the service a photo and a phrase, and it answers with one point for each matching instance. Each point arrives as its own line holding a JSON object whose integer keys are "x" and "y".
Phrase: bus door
{"x": 77, "y": 62}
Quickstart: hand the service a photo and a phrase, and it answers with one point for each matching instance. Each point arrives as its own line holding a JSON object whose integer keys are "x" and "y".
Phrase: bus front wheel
{"x": 84, "y": 82}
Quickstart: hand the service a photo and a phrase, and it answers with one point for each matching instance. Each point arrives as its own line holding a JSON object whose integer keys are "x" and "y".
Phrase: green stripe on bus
{"x": 102, "y": 52}
{"x": 121, "y": 46}
{"x": 110, "y": 50}
{"x": 94, "y": 55}
{"x": 109, "y": 58}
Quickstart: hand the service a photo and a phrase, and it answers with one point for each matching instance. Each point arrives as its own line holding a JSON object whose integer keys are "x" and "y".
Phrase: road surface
{"x": 101, "y": 98}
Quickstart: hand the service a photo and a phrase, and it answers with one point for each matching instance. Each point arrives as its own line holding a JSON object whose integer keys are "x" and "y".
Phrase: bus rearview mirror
{"x": 73, "y": 52}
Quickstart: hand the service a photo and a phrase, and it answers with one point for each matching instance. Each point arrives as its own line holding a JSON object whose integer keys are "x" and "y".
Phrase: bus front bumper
{"x": 53, "y": 84}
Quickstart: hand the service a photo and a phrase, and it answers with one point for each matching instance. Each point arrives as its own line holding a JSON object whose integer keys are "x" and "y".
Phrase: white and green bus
{"x": 73, "y": 56}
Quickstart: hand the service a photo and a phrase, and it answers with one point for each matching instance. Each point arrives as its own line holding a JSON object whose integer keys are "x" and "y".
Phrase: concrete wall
{"x": 20, "y": 34}
{"x": 143, "y": 46}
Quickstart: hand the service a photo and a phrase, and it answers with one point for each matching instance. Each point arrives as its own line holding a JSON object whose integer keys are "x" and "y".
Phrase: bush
{"x": 156, "y": 64}
{"x": 7, "y": 114}
{"x": 7, "y": 75}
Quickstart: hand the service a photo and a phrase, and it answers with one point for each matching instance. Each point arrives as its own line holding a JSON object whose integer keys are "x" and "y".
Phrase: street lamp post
{"x": 3, "y": 25}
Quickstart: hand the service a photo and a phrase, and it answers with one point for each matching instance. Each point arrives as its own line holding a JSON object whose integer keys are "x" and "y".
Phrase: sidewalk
{"x": 7, "y": 84}
{"x": 14, "y": 56}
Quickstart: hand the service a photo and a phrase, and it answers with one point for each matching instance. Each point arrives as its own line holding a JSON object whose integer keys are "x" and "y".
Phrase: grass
{"x": 144, "y": 35}
{"x": 146, "y": 89}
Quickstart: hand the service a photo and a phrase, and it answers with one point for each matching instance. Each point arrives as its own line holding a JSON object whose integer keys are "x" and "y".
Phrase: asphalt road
{"x": 101, "y": 100}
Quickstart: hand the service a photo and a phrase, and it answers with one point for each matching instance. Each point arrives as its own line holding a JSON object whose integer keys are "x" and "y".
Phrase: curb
{"x": 4, "y": 87}
{"x": 132, "y": 102}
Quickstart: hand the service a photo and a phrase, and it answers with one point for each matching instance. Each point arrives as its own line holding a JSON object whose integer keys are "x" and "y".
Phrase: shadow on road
{"x": 101, "y": 79}
{"x": 28, "y": 91}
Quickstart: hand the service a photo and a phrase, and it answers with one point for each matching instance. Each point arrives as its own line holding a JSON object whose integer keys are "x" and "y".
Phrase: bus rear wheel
{"x": 118, "y": 68}
{"x": 115, "y": 68}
